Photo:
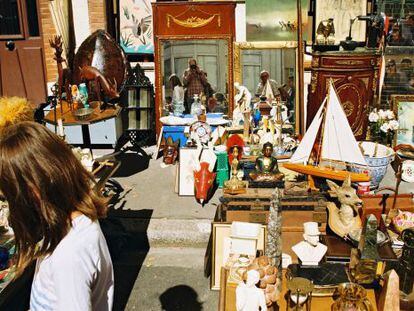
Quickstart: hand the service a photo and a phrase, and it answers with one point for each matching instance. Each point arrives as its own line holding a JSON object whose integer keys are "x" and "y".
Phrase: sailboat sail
{"x": 339, "y": 142}
{"x": 304, "y": 149}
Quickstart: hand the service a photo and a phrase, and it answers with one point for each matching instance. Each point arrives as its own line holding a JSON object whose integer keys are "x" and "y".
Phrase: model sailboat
{"x": 338, "y": 144}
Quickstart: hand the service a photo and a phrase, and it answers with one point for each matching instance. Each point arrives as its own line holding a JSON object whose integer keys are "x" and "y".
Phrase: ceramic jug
{"x": 352, "y": 297}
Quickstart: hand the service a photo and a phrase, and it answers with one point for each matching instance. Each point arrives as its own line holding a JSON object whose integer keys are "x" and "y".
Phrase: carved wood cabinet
{"x": 355, "y": 75}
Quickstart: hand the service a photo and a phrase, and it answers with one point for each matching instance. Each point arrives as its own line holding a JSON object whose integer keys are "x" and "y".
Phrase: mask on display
{"x": 203, "y": 180}
{"x": 170, "y": 152}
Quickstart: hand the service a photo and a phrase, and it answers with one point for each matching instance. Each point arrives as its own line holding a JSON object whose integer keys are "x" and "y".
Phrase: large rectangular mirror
{"x": 192, "y": 68}
{"x": 277, "y": 61}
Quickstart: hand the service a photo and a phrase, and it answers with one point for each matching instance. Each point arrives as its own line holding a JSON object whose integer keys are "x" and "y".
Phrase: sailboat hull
{"x": 325, "y": 172}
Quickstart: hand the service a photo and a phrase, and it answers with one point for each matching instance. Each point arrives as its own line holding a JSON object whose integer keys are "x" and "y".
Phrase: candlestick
{"x": 61, "y": 131}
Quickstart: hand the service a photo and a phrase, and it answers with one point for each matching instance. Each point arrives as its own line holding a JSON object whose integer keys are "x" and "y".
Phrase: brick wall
{"x": 97, "y": 15}
{"x": 97, "y": 20}
{"x": 48, "y": 31}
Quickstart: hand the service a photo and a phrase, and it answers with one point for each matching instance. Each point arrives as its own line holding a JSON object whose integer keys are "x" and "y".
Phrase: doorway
{"x": 22, "y": 67}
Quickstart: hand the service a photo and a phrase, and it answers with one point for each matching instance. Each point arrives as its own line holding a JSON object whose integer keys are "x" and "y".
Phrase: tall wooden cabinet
{"x": 355, "y": 75}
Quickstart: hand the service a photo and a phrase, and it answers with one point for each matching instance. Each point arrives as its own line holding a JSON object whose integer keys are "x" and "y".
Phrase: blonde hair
{"x": 14, "y": 110}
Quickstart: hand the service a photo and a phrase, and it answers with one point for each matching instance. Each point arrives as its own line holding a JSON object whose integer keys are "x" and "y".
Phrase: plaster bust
{"x": 310, "y": 251}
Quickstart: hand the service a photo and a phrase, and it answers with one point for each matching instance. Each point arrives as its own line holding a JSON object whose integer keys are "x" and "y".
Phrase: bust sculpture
{"x": 310, "y": 251}
{"x": 248, "y": 296}
{"x": 266, "y": 168}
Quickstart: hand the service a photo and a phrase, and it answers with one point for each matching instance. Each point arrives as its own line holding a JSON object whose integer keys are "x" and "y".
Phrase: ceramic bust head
{"x": 310, "y": 251}
{"x": 312, "y": 233}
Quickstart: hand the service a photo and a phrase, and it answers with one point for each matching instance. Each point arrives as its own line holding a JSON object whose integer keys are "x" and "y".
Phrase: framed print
{"x": 221, "y": 249}
{"x": 404, "y": 110}
{"x": 342, "y": 11}
{"x": 274, "y": 20}
{"x": 135, "y": 26}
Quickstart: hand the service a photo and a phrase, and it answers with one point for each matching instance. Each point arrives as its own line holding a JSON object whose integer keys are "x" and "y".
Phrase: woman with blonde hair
{"x": 54, "y": 215}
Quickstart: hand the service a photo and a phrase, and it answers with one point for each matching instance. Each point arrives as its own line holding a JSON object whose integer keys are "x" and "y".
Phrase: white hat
{"x": 311, "y": 228}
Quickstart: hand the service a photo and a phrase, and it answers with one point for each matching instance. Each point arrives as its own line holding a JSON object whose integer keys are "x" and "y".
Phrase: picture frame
{"x": 403, "y": 106}
{"x": 135, "y": 29}
{"x": 276, "y": 20}
{"x": 239, "y": 47}
{"x": 220, "y": 233}
{"x": 342, "y": 11}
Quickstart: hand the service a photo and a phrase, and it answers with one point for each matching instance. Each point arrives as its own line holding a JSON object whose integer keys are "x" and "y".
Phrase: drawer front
{"x": 349, "y": 62}
{"x": 73, "y": 133}
{"x": 105, "y": 132}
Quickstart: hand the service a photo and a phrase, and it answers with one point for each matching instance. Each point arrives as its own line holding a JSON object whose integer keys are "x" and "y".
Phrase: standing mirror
{"x": 195, "y": 68}
{"x": 279, "y": 60}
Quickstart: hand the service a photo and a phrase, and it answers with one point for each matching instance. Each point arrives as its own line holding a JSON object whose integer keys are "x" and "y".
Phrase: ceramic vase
{"x": 377, "y": 157}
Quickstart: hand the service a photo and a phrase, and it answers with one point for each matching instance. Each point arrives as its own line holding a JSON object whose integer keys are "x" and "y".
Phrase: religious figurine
{"x": 248, "y": 296}
{"x": 266, "y": 168}
{"x": 242, "y": 101}
{"x": 234, "y": 149}
{"x": 325, "y": 34}
{"x": 344, "y": 219}
{"x": 310, "y": 251}
{"x": 170, "y": 151}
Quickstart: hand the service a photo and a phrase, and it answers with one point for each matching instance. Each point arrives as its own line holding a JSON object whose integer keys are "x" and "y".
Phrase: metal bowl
{"x": 83, "y": 114}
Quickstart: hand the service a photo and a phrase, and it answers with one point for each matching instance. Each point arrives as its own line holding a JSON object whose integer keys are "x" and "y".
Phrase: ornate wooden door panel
{"x": 22, "y": 68}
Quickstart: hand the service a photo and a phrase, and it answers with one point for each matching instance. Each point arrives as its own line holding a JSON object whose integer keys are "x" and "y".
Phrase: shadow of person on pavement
{"x": 180, "y": 298}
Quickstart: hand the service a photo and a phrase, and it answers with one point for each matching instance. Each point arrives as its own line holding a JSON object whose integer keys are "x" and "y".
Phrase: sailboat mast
{"x": 323, "y": 128}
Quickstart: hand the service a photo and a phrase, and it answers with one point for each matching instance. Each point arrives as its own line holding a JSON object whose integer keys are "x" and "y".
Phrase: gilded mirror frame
{"x": 159, "y": 76}
{"x": 265, "y": 45}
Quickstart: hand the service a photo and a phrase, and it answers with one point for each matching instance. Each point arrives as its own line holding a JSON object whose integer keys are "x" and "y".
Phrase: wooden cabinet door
{"x": 22, "y": 68}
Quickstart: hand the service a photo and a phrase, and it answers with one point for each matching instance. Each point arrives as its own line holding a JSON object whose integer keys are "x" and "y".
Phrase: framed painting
{"x": 274, "y": 20}
{"x": 221, "y": 249}
{"x": 342, "y": 11}
{"x": 404, "y": 110}
{"x": 135, "y": 26}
